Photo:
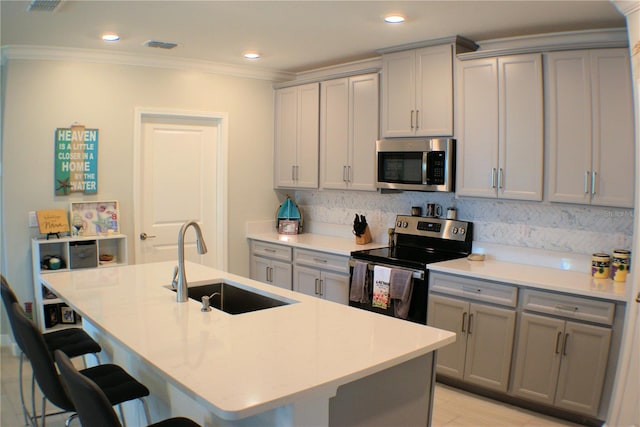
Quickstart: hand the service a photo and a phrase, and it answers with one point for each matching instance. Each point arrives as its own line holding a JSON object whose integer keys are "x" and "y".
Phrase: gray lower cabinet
{"x": 271, "y": 264}
{"x": 321, "y": 274}
{"x": 562, "y": 362}
{"x": 482, "y": 352}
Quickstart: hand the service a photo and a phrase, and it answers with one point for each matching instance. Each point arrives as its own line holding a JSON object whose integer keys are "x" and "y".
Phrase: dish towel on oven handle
{"x": 359, "y": 291}
{"x": 381, "y": 277}
{"x": 401, "y": 285}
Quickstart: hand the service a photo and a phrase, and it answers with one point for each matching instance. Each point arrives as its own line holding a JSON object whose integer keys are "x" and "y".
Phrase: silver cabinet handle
{"x": 417, "y": 119}
{"x": 493, "y": 177}
{"x": 500, "y": 178}
{"x": 638, "y": 297}
{"x": 593, "y": 182}
{"x": 321, "y": 287}
{"x": 564, "y": 345}
{"x": 566, "y": 307}
{"x": 293, "y": 173}
{"x": 316, "y": 287}
{"x": 411, "y": 119}
{"x": 270, "y": 250}
{"x": 586, "y": 182}
{"x": 464, "y": 321}
{"x": 344, "y": 173}
{"x": 470, "y": 322}
{"x": 558, "y": 342}
{"x": 145, "y": 236}
{"x": 320, "y": 260}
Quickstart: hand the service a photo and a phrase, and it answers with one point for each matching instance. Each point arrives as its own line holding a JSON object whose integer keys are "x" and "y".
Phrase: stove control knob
{"x": 405, "y": 224}
{"x": 461, "y": 230}
{"x": 454, "y": 230}
{"x": 399, "y": 224}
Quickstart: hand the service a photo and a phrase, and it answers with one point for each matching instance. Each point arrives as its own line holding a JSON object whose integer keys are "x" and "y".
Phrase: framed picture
{"x": 67, "y": 315}
{"x": 288, "y": 226}
{"x": 50, "y": 315}
{"x": 94, "y": 218}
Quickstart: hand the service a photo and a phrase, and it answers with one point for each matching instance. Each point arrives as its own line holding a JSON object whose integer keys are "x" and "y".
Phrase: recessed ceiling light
{"x": 252, "y": 55}
{"x": 110, "y": 37}
{"x": 394, "y": 19}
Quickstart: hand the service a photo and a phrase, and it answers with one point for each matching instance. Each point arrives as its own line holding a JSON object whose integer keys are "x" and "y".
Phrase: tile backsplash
{"x": 540, "y": 225}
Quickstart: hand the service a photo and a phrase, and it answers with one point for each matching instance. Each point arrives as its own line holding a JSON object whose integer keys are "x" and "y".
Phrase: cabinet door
{"x": 286, "y": 136}
{"x": 363, "y": 132}
{"x": 260, "y": 269}
{"x": 334, "y": 133}
{"x": 280, "y": 275}
{"x": 521, "y": 127}
{"x": 477, "y": 128}
{"x": 489, "y": 346}
{"x": 335, "y": 287}
{"x": 538, "y": 356}
{"x": 398, "y": 94}
{"x": 585, "y": 353}
{"x": 434, "y": 91}
{"x": 613, "y": 139}
{"x": 308, "y": 138}
{"x": 569, "y": 126}
{"x": 451, "y": 315}
{"x": 306, "y": 280}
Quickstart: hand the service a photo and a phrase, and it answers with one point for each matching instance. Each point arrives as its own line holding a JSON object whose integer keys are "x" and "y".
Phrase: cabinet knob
{"x": 145, "y": 236}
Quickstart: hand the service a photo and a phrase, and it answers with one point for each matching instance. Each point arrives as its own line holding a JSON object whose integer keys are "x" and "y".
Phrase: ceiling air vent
{"x": 160, "y": 45}
{"x": 43, "y": 5}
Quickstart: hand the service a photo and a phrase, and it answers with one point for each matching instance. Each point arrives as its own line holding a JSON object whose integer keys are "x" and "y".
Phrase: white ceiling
{"x": 292, "y": 36}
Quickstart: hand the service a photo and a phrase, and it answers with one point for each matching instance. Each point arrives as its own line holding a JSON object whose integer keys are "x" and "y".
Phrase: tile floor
{"x": 453, "y": 408}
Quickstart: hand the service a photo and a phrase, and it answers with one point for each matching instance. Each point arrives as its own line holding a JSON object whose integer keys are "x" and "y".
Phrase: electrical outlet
{"x": 33, "y": 220}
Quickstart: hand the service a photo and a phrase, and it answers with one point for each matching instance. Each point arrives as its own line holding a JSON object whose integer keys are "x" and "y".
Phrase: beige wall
{"x": 41, "y": 96}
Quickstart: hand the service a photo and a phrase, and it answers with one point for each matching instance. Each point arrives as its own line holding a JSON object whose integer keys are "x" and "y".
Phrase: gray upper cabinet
{"x": 348, "y": 132}
{"x": 500, "y": 127}
{"x": 590, "y": 127}
{"x": 417, "y": 92}
{"x": 296, "y": 136}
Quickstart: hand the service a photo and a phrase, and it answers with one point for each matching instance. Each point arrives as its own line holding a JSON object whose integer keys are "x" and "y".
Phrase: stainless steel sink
{"x": 233, "y": 299}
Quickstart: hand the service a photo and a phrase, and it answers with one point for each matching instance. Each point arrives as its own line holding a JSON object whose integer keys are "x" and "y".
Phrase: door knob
{"x": 145, "y": 236}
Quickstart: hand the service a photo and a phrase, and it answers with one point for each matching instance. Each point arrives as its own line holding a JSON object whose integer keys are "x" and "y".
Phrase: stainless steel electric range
{"x": 417, "y": 242}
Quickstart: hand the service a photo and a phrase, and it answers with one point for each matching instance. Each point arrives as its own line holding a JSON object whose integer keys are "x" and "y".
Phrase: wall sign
{"x": 76, "y": 164}
{"x": 52, "y": 221}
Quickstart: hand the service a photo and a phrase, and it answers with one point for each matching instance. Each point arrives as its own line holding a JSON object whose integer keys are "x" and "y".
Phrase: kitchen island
{"x": 311, "y": 362}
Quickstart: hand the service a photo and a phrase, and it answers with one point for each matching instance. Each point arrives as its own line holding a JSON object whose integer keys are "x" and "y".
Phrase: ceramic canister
{"x": 600, "y": 265}
{"x": 620, "y": 263}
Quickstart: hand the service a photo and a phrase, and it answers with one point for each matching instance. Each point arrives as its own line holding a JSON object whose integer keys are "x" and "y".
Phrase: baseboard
{"x": 6, "y": 340}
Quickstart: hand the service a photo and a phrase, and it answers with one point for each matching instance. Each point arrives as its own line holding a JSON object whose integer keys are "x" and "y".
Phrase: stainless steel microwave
{"x": 416, "y": 164}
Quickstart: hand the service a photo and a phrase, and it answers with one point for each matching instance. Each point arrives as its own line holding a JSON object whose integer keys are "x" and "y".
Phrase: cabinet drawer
{"x": 568, "y": 306}
{"x": 271, "y": 250}
{"x": 478, "y": 290}
{"x": 321, "y": 260}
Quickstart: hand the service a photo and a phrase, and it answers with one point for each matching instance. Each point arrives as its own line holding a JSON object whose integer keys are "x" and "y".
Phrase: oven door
{"x": 418, "y": 304}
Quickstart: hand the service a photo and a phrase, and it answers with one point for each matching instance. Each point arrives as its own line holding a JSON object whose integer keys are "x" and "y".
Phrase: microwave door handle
{"x": 425, "y": 168}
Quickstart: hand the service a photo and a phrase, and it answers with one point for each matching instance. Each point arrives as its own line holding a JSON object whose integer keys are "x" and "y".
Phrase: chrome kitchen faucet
{"x": 181, "y": 293}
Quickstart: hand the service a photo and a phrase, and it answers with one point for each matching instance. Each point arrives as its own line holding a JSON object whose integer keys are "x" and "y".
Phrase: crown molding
{"x": 626, "y": 7}
{"x": 570, "y": 40}
{"x": 364, "y": 66}
{"x": 47, "y": 53}
{"x": 462, "y": 44}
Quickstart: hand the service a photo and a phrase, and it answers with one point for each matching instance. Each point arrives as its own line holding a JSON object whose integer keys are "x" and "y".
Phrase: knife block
{"x": 364, "y": 238}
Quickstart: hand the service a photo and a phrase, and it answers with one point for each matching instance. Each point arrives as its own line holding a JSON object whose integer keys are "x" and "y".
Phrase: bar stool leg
{"x": 124, "y": 421}
{"x": 25, "y": 413}
{"x": 147, "y": 414}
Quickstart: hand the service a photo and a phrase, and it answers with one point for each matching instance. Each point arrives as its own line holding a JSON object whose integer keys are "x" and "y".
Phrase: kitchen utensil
{"x": 416, "y": 211}
{"x": 361, "y": 230}
{"x": 452, "y": 213}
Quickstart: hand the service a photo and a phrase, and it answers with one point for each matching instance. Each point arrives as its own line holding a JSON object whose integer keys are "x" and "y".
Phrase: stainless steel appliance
{"x": 416, "y": 164}
{"x": 417, "y": 242}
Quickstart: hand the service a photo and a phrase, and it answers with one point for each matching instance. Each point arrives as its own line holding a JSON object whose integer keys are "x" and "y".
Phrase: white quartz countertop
{"x": 241, "y": 365}
{"x": 547, "y": 278}
{"x": 316, "y": 242}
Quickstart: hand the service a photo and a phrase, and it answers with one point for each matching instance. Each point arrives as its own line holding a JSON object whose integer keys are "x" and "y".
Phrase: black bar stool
{"x": 73, "y": 342}
{"x": 117, "y": 385}
{"x": 94, "y": 408}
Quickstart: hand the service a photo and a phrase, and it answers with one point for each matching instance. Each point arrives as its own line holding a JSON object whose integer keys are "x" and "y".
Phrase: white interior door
{"x": 179, "y": 181}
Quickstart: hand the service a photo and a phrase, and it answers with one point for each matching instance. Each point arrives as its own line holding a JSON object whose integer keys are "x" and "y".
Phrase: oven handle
{"x": 416, "y": 274}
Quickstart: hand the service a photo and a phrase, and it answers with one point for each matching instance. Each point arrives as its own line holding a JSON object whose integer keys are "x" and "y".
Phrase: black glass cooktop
{"x": 408, "y": 257}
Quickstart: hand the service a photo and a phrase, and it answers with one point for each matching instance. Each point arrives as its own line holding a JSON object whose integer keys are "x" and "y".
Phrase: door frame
{"x": 221, "y": 121}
